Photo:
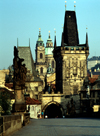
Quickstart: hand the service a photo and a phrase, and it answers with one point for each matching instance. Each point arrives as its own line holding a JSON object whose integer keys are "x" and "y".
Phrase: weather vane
{"x": 74, "y": 5}
{"x": 39, "y": 29}
{"x": 65, "y": 5}
{"x": 86, "y": 28}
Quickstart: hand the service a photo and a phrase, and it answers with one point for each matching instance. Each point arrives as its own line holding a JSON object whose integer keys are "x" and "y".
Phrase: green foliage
{"x": 5, "y": 102}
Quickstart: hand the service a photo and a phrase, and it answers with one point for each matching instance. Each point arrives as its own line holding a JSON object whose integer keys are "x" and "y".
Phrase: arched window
{"x": 41, "y": 70}
{"x": 52, "y": 64}
{"x": 41, "y": 55}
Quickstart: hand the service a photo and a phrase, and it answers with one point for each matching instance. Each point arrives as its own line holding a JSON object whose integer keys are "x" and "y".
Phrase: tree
{"x": 5, "y": 102}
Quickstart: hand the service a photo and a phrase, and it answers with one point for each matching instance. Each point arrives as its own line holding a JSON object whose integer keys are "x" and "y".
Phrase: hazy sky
{"x": 22, "y": 19}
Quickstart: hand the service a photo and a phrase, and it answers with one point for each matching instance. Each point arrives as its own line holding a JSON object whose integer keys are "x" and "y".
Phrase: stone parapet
{"x": 11, "y": 123}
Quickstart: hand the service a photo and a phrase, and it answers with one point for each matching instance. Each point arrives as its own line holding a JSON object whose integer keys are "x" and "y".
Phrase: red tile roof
{"x": 92, "y": 80}
{"x": 88, "y": 75}
{"x": 95, "y": 76}
{"x": 31, "y": 101}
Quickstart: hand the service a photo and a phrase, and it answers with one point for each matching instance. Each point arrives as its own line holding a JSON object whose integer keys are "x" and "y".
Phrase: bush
{"x": 5, "y": 102}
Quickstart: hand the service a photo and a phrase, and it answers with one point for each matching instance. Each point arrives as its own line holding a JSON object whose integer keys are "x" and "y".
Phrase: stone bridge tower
{"x": 71, "y": 70}
{"x": 71, "y": 58}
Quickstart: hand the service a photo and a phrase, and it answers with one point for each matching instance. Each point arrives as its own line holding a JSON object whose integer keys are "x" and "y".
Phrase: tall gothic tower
{"x": 49, "y": 53}
{"x": 40, "y": 57}
{"x": 70, "y": 57}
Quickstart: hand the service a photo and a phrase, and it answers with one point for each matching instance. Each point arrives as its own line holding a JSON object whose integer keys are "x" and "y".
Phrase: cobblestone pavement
{"x": 60, "y": 127}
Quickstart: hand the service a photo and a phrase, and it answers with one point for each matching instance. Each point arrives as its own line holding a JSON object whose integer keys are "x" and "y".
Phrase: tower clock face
{"x": 40, "y": 48}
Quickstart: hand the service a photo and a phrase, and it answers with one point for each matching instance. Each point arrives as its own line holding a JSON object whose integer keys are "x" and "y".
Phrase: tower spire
{"x": 55, "y": 40}
{"x": 86, "y": 40}
{"x": 86, "y": 37}
{"x": 49, "y": 34}
{"x": 39, "y": 32}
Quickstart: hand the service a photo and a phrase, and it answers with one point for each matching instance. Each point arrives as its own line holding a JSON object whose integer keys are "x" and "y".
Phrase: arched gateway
{"x": 53, "y": 110}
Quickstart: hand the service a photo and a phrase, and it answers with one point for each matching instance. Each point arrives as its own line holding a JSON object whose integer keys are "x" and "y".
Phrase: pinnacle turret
{"x": 86, "y": 40}
{"x": 55, "y": 42}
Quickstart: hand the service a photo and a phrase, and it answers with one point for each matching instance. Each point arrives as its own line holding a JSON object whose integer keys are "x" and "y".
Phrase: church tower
{"x": 40, "y": 57}
{"x": 71, "y": 58}
{"x": 49, "y": 53}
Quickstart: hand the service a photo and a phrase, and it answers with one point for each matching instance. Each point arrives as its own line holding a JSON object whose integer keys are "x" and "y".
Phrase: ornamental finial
{"x": 49, "y": 34}
{"x": 39, "y": 29}
{"x": 74, "y": 5}
{"x": 65, "y": 5}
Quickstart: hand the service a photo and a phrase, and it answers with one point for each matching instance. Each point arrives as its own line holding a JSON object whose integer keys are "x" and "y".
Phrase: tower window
{"x": 52, "y": 64}
{"x": 41, "y": 55}
{"x": 41, "y": 70}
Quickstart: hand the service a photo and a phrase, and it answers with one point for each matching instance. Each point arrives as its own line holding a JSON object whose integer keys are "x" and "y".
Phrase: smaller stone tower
{"x": 49, "y": 53}
{"x": 40, "y": 57}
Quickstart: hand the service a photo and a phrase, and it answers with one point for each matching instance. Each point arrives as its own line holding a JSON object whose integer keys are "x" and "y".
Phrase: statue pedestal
{"x": 19, "y": 105}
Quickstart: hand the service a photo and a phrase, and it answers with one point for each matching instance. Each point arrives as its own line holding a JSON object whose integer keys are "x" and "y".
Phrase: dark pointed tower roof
{"x": 87, "y": 40}
{"x": 70, "y": 29}
{"x": 55, "y": 42}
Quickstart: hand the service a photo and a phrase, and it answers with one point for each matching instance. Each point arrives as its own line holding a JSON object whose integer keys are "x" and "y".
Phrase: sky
{"x": 22, "y": 19}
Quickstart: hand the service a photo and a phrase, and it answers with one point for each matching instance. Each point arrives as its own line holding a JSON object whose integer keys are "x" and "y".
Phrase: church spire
{"x": 86, "y": 40}
{"x": 49, "y": 34}
{"x": 39, "y": 37}
{"x": 55, "y": 41}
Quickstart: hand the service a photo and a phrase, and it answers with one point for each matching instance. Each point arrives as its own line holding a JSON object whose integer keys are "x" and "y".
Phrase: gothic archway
{"x": 53, "y": 110}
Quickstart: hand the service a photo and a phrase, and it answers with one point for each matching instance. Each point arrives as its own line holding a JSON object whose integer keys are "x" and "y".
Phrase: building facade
{"x": 93, "y": 61}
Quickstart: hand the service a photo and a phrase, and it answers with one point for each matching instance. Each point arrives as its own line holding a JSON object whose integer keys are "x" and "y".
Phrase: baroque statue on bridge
{"x": 19, "y": 70}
